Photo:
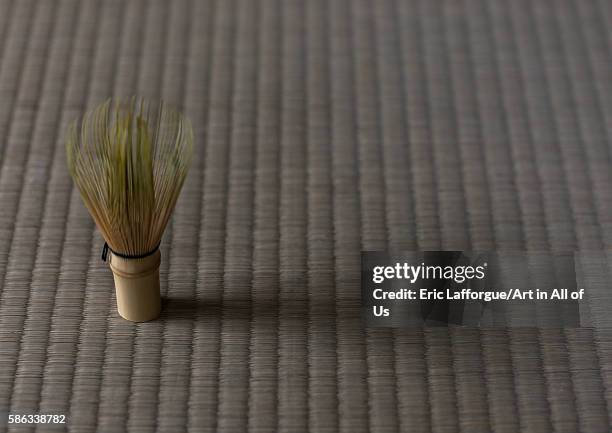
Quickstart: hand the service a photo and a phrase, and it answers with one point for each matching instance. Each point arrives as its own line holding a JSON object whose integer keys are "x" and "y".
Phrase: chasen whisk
{"x": 129, "y": 160}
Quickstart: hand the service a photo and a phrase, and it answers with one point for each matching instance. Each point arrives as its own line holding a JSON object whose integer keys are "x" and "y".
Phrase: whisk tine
{"x": 129, "y": 160}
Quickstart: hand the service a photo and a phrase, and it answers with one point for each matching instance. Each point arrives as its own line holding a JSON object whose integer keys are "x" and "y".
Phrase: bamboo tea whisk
{"x": 129, "y": 160}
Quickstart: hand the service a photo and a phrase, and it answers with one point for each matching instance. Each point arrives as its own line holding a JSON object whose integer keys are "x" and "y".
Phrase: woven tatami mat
{"x": 322, "y": 129}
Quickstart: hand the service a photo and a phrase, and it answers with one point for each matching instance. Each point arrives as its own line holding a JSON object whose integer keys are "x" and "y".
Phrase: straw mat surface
{"x": 322, "y": 129}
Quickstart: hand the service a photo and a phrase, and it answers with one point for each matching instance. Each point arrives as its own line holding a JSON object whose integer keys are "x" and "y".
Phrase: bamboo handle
{"x": 137, "y": 287}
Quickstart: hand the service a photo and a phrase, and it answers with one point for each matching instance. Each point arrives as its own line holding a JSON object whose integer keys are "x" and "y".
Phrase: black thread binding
{"x": 107, "y": 248}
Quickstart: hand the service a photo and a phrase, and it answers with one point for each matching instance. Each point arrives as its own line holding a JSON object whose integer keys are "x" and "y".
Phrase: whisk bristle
{"x": 129, "y": 160}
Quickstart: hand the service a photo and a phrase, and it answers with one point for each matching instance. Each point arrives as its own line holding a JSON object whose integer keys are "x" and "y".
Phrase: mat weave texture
{"x": 321, "y": 129}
